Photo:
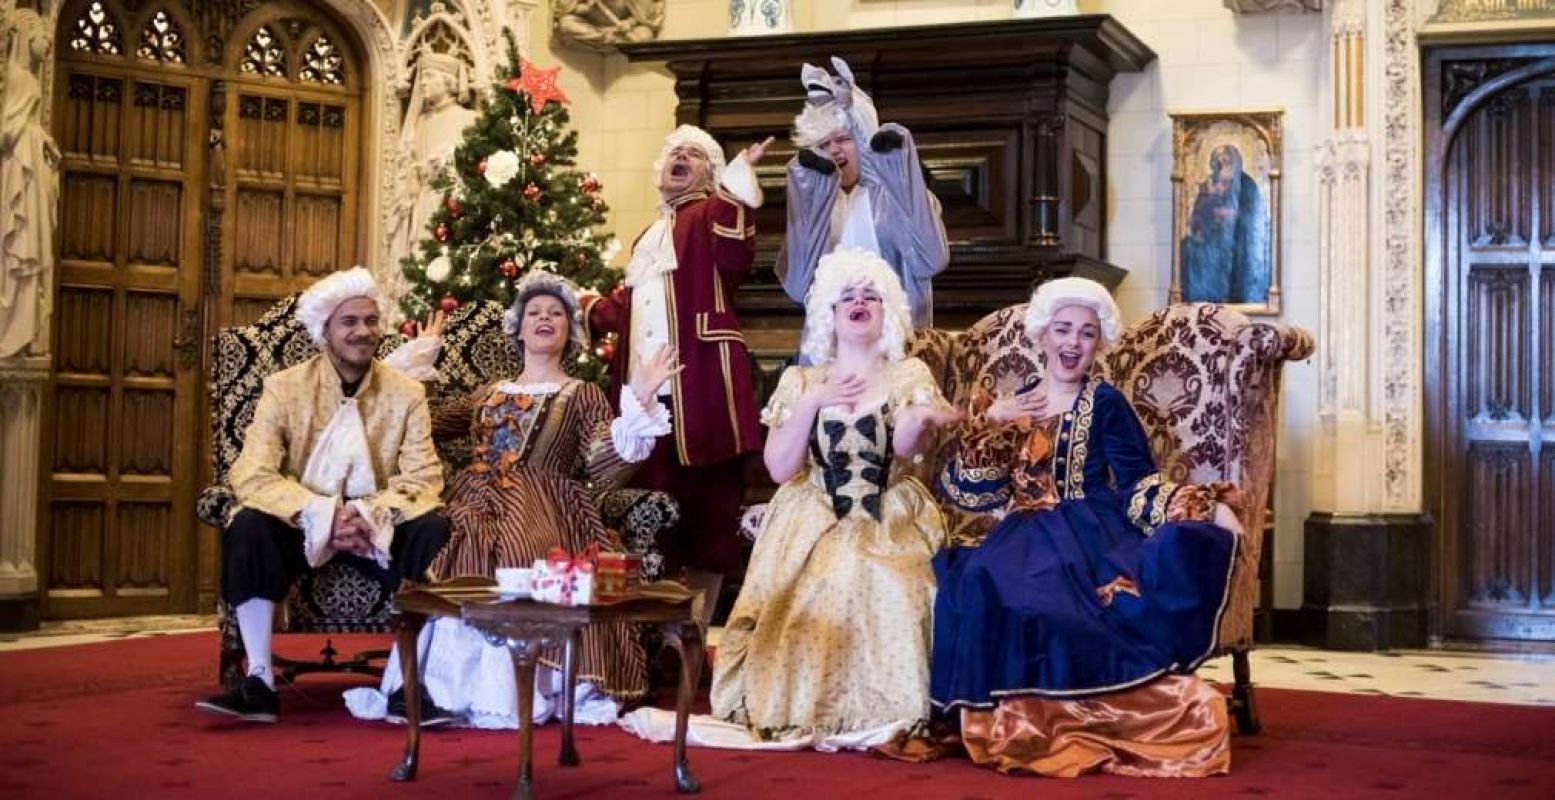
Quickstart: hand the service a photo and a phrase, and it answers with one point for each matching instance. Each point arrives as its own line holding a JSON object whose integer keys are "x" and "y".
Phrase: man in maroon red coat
{"x": 679, "y": 291}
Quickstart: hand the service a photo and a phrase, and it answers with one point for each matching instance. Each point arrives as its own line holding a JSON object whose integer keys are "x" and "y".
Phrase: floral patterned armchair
{"x": 353, "y": 595}
{"x": 1205, "y": 382}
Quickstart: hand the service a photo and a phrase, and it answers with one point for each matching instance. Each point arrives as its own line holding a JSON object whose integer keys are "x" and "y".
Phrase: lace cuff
{"x": 977, "y": 478}
{"x": 317, "y": 520}
{"x": 1197, "y": 501}
{"x": 416, "y": 358}
{"x": 739, "y": 180}
{"x": 1156, "y": 501}
{"x": 382, "y": 525}
{"x": 633, "y": 432}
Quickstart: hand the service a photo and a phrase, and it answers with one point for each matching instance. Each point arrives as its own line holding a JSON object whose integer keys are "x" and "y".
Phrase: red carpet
{"x": 117, "y": 720}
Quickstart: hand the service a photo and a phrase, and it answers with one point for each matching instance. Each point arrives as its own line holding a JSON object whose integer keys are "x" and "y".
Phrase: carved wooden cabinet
{"x": 1010, "y": 119}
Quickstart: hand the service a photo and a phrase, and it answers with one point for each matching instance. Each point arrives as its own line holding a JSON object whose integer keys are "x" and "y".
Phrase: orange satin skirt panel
{"x": 1172, "y": 727}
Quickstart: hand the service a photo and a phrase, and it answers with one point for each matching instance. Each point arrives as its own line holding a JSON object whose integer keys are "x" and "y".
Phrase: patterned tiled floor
{"x": 1440, "y": 674}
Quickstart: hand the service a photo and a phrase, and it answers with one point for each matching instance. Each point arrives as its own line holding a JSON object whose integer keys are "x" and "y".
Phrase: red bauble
{"x": 441, "y": 233}
{"x": 481, "y": 167}
{"x": 589, "y": 184}
{"x": 509, "y": 269}
{"x": 606, "y": 350}
{"x": 531, "y": 193}
{"x": 408, "y": 329}
{"x": 536, "y": 159}
{"x": 453, "y": 206}
{"x": 449, "y": 304}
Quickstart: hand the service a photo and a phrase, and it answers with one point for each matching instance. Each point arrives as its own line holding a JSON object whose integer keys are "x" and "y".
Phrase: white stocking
{"x": 255, "y": 618}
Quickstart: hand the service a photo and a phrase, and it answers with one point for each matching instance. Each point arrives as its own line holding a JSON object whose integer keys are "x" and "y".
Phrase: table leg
{"x": 569, "y": 756}
{"x": 524, "y": 652}
{"x": 687, "y": 639}
{"x": 409, "y": 628}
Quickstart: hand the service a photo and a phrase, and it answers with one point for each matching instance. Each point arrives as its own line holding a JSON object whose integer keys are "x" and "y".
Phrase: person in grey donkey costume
{"x": 857, "y": 183}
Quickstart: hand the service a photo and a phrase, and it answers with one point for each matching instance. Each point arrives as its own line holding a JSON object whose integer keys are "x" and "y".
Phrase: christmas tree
{"x": 513, "y": 201}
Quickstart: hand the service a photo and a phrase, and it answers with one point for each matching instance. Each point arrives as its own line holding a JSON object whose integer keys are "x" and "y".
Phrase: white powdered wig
{"x": 318, "y": 303}
{"x": 815, "y": 123}
{"x": 842, "y": 270}
{"x": 537, "y": 282}
{"x": 1057, "y": 294}
{"x": 698, "y": 138}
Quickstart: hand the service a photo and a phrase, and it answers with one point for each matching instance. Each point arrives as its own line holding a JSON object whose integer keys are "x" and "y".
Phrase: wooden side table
{"x": 523, "y": 627}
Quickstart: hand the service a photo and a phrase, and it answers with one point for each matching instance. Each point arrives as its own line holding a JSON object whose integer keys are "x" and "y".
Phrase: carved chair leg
{"x": 1243, "y": 704}
{"x": 230, "y": 662}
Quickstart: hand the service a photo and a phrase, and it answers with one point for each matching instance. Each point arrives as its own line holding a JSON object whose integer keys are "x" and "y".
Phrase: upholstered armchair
{"x": 352, "y": 595}
{"x": 1205, "y": 381}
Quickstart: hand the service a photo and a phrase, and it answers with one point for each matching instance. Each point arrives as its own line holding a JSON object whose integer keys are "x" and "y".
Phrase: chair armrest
{"x": 643, "y": 518}
{"x": 215, "y": 505}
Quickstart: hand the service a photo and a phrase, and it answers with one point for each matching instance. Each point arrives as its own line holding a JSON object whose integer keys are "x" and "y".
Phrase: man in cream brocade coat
{"x": 338, "y": 462}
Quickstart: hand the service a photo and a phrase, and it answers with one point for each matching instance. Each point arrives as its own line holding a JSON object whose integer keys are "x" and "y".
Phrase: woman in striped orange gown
{"x": 545, "y": 444}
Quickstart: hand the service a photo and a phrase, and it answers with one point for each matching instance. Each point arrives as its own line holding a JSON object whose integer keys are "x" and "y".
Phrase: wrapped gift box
{"x": 565, "y": 579}
{"x": 617, "y": 576}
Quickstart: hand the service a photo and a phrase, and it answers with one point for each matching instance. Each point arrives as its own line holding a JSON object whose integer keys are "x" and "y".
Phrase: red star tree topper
{"x": 539, "y": 84}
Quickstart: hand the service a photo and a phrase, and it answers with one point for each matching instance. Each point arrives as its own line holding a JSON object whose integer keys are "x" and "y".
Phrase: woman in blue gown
{"x": 1066, "y": 639}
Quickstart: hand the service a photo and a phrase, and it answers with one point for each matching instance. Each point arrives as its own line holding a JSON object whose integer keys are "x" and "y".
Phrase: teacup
{"x": 515, "y": 580}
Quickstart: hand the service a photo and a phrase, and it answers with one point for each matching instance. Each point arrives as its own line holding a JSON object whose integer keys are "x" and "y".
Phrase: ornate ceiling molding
{"x": 1274, "y": 6}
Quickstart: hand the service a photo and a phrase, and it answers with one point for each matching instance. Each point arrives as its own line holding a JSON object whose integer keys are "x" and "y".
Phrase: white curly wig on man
{"x": 1063, "y": 292}
{"x": 842, "y": 270}
{"x": 695, "y": 137}
{"x": 316, "y": 305}
{"x": 540, "y": 282}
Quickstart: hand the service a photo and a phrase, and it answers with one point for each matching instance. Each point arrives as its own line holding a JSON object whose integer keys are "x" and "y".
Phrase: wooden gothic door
{"x": 1491, "y": 249}
{"x": 207, "y": 169}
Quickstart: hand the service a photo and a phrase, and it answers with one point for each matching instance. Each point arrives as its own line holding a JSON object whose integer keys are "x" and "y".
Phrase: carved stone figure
{"x": 29, "y": 186}
{"x": 602, "y": 24}
{"x": 434, "y": 126}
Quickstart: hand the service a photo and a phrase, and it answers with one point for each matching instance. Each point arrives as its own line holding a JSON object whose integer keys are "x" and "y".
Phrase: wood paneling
{"x": 1010, "y": 117}
{"x": 156, "y": 216}
{"x": 1500, "y": 534}
{"x": 143, "y": 544}
{"x": 1490, "y": 123}
{"x": 1497, "y": 333}
{"x": 81, "y": 422}
{"x": 87, "y": 233}
{"x": 76, "y": 550}
{"x": 259, "y": 238}
{"x": 168, "y": 140}
{"x": 158, "y": 124}
{"x": 85, "y": 321}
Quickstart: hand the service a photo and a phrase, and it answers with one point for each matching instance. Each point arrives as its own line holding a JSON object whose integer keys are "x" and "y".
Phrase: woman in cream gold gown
{"x": 828, "y": 643}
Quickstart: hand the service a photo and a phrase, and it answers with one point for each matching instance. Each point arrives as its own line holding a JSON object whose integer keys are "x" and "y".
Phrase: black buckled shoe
{"x": 432, "y": 715}
{"x": 251, "y": 701}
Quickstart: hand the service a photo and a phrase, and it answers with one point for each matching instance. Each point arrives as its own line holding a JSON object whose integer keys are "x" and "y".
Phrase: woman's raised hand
{"x": 436, "y": 324}
{"x": 653, "y": 372}
{"x": 1010, "y": 407}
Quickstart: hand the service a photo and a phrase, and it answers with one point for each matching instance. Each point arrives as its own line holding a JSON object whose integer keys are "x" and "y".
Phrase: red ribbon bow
{"x": 562, "y": 561}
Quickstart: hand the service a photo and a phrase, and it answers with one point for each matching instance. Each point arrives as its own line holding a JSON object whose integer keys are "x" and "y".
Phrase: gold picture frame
{"x": 1226, "y": 172}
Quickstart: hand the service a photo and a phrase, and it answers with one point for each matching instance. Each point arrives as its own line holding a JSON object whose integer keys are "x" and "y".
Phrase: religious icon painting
{"x": 1226, "y": 169}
